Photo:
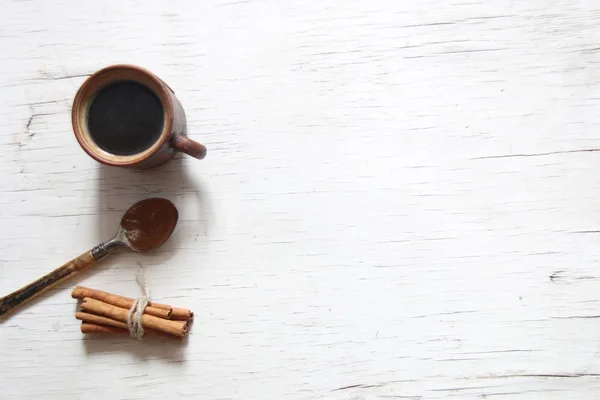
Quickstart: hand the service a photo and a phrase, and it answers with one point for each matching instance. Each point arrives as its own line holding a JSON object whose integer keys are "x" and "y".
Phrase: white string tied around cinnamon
{"x": 134, "y": 317}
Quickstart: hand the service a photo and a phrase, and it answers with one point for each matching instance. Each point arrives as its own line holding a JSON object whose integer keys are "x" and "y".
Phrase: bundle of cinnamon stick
{"x": 103, "y": 312}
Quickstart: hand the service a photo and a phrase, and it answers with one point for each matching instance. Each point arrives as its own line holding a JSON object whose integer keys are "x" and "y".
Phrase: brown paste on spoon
{"x": 149, "y": 223}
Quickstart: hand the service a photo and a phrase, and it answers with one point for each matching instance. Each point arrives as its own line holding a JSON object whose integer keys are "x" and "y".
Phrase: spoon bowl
{"x": 148, "y": 224}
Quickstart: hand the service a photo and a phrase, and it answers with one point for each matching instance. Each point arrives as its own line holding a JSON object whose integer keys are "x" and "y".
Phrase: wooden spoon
{"x": 146, "y": 225}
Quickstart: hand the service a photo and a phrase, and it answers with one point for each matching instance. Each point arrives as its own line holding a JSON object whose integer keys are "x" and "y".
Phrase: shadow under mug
{"x": 172, "y": 138}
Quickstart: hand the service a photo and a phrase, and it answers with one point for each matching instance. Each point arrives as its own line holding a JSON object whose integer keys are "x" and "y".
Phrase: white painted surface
{"x": 401, "y": 199}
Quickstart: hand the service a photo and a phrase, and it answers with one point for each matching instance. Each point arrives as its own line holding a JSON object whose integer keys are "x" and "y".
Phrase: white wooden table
{"x": 401, "y": 199}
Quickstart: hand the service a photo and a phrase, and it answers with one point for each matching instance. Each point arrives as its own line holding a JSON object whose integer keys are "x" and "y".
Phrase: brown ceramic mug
{"x": 125, "y": 116}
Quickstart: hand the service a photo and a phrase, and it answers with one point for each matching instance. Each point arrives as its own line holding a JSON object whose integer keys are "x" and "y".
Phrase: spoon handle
{"x": 26, "y": 293}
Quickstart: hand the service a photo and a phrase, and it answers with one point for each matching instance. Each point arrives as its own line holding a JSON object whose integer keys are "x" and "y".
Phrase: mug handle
{"x": 188, "y": 146}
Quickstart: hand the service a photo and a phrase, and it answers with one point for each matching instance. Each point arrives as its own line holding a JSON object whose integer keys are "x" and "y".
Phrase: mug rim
{"x": 98, "y": 81}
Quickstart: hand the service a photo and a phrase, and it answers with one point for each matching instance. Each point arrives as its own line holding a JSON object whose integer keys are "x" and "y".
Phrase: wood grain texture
{"x": 400, "y": 199}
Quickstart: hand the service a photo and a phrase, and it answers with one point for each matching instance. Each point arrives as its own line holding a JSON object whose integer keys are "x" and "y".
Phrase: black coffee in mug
{"x": 125, "y": 118}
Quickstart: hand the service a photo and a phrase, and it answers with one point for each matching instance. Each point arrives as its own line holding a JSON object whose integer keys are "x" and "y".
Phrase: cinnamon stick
{"x": 98, "y": 324}
{"x": 87, "y": 327}
{"x": 124, "y": 302}
{"x": 182, "y": 314}
{"x": 177, "y": 313}
{"x": 177, "y": 328}
{"x": 98, "y": 319}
